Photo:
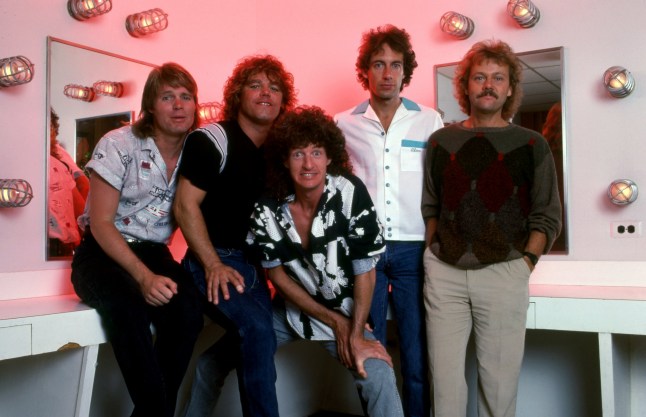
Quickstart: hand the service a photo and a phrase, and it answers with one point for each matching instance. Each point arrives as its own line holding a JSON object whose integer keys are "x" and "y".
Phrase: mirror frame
{"x": 441, "y": 71}
{"x": 129, "y": 101}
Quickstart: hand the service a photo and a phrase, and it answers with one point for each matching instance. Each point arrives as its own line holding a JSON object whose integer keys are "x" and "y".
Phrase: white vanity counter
{"x": 31, "y": 326}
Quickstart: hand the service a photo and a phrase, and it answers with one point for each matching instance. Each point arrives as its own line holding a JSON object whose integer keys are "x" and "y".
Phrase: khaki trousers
{"x": 492, "y": 303}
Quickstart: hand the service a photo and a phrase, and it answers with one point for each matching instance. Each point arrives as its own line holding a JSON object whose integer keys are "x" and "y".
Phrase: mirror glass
{"x": 81, "y": 124}
{"x": 541, "y": 110}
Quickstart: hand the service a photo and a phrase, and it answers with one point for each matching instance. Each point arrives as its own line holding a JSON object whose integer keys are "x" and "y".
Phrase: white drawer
{"x": 15, "y": 341}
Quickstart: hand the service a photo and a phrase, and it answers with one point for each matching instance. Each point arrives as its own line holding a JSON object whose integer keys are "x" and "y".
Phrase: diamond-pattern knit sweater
{"x": 488, "y": 188}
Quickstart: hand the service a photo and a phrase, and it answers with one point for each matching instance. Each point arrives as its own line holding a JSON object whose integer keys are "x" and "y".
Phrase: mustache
{"x": 488, "y": 92}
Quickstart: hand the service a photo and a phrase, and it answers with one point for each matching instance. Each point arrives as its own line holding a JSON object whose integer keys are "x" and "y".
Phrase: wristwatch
{"x": 532, "y": 258}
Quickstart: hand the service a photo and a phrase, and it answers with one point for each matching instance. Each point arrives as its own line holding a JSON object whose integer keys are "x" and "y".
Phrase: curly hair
{"x": 500, "y": 53}
{"x": 303, "y": 126}
{"x": 372, "y": 42}
{"x": 54, "y": 127}
{"x": 248, "y": 67}
{"x": 171, "y": 74}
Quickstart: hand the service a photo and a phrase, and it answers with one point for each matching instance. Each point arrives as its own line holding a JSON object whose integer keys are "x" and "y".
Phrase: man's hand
{"x": 218, "y": 278}
{"x": 158, "y": 289}
{"x": 342, "y": 328}
{"x": 354, "y": 350}
{"x": 363, "y": 349}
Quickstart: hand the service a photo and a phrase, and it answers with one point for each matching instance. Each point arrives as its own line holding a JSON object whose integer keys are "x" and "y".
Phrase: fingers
{"x": 225, "y": 289}
{"x": 159, "y": 290}
{"x": 361, "y": 370}
{"x": 237, "y": 281}
{"x": 218, "y": 280}
{"x": 212, "y": 291}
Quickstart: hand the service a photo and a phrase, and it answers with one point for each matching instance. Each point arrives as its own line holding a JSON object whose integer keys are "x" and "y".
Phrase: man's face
{"x": 260, "y": 100}
{"x": 488, "y": 87}
{"x": 307, "y": 167}
{"x": 385, "y": 73}
{"x": 173, "y": 111}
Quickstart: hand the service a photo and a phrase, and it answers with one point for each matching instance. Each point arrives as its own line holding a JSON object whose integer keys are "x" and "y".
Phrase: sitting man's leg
{"x": 378, "y": 391}
{"x": 249, "y": 348}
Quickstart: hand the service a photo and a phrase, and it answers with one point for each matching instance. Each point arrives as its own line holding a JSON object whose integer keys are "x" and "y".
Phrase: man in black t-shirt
{"x": 221, "y": 177}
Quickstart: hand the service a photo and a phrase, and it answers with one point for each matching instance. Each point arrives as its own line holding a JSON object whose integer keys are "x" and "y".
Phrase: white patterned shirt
{"x": 136, "y": 168}
{"x": 345, "y": 240}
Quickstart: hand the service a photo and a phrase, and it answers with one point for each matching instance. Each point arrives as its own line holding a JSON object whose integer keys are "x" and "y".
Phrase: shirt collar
{"x": 408, "y": 105}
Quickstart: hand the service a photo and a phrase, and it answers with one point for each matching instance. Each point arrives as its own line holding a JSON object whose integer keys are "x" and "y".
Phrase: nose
{"x": 388, "y": 73}
{"x": 177, "y": 103}
{"x": 307, "y": 161}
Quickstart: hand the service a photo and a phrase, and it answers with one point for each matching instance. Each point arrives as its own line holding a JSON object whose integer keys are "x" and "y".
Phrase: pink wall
{"x": 318, "y": 43}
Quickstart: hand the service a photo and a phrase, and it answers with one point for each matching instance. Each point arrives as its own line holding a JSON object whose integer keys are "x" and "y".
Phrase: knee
{"x": 258, "y": 329}
{"x": 380, "y": 375}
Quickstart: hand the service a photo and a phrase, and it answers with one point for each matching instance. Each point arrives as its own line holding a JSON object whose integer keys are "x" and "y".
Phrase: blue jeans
{"x": 248, "y": 345}
{"x": 378, "y": 391}
{"x": 401, "y": 267}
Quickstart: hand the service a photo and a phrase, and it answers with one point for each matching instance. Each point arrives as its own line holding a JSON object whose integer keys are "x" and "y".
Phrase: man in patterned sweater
{"x": 491, "y": 207}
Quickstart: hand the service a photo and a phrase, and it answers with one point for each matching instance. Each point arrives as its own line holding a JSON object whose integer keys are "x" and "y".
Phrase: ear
{"x": 510, "y": 92}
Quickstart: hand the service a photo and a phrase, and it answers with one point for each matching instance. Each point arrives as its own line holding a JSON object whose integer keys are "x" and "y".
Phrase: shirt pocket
{"x": 412, "y": 155}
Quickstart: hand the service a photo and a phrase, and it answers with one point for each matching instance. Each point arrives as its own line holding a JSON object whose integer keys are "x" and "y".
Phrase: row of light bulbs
{"x": 137, "y": 24}
{"x": 17, "y": 70}
{"x": 524, "y": 12}
{"x": 102, "y": 88}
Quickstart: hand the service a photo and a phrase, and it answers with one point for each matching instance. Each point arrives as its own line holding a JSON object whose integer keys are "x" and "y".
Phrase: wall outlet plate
{"x": 626, "y": 228}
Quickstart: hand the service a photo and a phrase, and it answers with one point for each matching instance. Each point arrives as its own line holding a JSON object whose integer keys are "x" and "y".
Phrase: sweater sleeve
{"x": 545, "y": 215}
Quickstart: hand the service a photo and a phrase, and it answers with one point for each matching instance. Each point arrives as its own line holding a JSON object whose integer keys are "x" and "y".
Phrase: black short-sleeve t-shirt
{"x": 230, "y": 194}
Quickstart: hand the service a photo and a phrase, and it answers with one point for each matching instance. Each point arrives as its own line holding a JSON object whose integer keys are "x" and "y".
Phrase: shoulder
{"x": 266, "y": 208}
{"x": 352, "y": 112}
{"x": 123, "y": 139}
{"x": 531, "y": 136}
{"x": 420, "y": 110}
{"x": 446, "y": 131}
{"x": 212, "y": 135}
{"x": 347, "y": 183}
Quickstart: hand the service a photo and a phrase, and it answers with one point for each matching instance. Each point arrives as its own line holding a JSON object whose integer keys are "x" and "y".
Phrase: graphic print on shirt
{"x": 144, "y": 170}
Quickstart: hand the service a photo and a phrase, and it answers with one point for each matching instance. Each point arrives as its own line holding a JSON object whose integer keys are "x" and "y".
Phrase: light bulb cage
{"x": 457, "y": 25}
{"x": 622, "y": 192}
{"x": 619, "y": 82}
{"x": 145, "y": 23}
{"x": 86, "y": 9}
{"x": 15, "y": 193}
{"x": 108, "y": 88}
{"x": 208, "y": 112}
{"x": 524, "y": 12}
{"x": 79, "y": 92}
{"x": 15, "y": 70}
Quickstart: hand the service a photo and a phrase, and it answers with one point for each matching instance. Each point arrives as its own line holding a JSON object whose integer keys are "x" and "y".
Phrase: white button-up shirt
{"x": 391, "y": 163}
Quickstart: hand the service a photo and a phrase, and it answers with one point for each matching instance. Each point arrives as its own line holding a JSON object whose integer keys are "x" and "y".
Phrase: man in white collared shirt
{"x": 386, "y": 139}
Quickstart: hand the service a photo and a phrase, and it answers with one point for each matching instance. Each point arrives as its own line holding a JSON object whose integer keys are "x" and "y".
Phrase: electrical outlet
{"x": 626, "y": 228}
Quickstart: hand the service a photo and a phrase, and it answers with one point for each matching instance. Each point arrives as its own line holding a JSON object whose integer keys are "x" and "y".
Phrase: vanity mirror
{"x": 71, "y": 63}
{"x": 542, "y": 75}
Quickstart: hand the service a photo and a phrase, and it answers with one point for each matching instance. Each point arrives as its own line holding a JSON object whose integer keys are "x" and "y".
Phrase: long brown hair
{"x": 171, "y": 74}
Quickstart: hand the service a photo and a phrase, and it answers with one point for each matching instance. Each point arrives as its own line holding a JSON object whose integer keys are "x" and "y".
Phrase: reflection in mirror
{"x": 541, "y": 110}
{"x": 75, "y": 126}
